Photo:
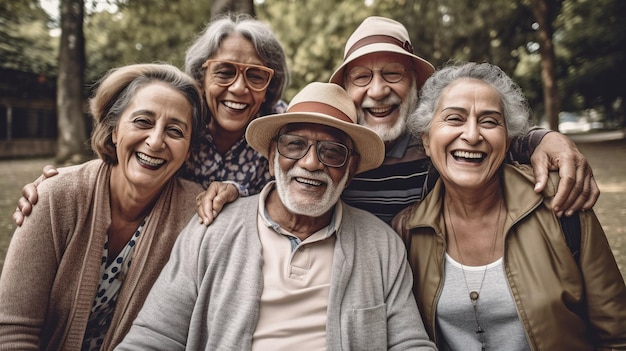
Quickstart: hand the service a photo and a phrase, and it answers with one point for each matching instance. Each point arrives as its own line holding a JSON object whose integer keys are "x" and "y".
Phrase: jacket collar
{"x": 519, "y": 197}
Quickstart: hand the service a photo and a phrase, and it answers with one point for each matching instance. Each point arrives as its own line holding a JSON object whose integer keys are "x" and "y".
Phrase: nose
{"x": 310, "y": 161}
{"x": 239, "y": 84}
{"x": 156, "y": 140}
{"x": 471, "y": 132}
{"x": 378, "y": 88}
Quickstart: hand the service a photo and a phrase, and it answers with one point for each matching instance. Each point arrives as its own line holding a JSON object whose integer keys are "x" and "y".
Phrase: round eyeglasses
{"x": 224, "y": 73}
{"x": 391, "y": 73}
{"x": 329, "y": 153}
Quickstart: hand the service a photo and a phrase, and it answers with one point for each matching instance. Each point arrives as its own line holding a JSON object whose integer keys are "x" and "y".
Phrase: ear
{"x": 426, "y": 143}
{"x": 271, "y": 157}
{"x": 114, "y": 136}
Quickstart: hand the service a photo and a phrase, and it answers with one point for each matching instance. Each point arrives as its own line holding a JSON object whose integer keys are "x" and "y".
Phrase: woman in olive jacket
{"x": 491, "y": 266}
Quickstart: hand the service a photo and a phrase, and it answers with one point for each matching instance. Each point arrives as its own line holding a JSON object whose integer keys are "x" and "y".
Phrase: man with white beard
{"x": 383, "y": 76}
{"x": 292, "y": 268}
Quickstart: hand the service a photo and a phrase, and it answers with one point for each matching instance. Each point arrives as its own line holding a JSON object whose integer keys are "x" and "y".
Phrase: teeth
{"x": 235, "y": 105}
{"x": 150, "y": 160}
{"x": 467, "y": 154}
{"x": 309, "y": 181}
{"x": 379, "y": 110}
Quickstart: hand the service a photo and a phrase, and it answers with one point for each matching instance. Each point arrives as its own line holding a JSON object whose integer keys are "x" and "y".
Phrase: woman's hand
{"x": 29, "y": 195}
{"x": 211, "y": 201}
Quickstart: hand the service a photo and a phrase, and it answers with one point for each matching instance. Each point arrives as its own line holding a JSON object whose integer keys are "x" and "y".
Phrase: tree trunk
{"x": 72, "y": 145}
{"x": 544, "y": 12}
{"x": 220, "y": 7}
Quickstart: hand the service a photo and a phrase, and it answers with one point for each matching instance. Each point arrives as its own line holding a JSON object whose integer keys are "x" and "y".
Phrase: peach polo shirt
{"x": 296, "y": 277}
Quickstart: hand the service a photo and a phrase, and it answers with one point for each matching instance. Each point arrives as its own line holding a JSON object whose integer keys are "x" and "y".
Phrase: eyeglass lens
{"x": 329, "y": 153}
{"x": 391, "y": 73}
{"x": 225, "y": 73}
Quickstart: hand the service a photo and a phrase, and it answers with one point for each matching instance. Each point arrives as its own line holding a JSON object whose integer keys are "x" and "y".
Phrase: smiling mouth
{"x": 148, "y": 161}
{"x": 381, "y": 111}
{"x": 308, "y": 181}
{"x": 467, "y": 156}
{"x": 235, "y": 105}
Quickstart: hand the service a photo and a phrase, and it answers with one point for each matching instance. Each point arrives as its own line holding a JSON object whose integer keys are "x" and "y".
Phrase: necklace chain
{"x": 475, "y": 295}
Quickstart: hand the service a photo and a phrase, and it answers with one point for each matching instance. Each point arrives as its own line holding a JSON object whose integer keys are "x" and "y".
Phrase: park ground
{"x": 606, "y": 156}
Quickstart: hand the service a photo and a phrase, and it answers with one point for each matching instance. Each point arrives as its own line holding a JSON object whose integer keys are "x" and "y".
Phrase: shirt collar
{"x": 331, "y": 229}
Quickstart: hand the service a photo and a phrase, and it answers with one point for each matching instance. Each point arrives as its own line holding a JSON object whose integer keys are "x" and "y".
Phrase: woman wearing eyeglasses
{"x": 242, "y": 70}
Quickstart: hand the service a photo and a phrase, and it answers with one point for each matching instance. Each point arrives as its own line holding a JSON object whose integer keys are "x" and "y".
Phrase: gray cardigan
{"x": 207, "y": 297}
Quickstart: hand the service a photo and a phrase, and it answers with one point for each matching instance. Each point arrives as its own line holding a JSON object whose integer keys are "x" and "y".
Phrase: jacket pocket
{"x": 367, "y": 328}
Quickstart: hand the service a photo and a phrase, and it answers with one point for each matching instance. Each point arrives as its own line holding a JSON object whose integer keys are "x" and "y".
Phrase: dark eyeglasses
{"x": 329, "y": 153}
{"x": 391, "y": 73}
{"x": 224, "y": 73}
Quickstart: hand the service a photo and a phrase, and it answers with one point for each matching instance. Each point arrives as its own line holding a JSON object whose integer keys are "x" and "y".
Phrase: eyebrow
{"x": 151, "y": 113}
{"x": 482, "y": 113}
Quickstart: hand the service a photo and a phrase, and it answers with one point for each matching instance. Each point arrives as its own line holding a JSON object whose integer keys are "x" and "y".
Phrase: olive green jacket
{"x": 579, "y": 308}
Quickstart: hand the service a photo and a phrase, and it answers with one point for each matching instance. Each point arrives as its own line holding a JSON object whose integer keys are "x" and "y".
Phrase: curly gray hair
{"x": 514, "y": 103}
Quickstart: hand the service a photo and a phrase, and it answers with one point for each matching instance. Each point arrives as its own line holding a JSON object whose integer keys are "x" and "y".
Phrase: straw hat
{"x": 320, "y": 103}
{"x": 378, "y": 35}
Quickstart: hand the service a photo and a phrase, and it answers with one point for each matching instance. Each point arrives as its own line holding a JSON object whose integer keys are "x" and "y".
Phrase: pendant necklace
{"x": 474, "y": 295}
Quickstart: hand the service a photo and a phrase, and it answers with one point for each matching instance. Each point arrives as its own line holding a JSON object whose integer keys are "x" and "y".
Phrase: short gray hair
{"x": 514, "y": 103}
{"x": 260, "y": 35}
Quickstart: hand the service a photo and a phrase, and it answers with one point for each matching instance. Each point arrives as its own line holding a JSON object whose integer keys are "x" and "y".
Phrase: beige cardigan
{"x": 52, "y": 267}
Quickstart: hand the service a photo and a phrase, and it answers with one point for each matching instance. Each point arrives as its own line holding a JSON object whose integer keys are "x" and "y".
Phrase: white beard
{"x": 391, "y": 133}
{"x": 315, "y": 207}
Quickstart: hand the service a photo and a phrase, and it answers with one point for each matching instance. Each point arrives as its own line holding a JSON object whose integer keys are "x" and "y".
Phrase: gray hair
{"x": 116, "y": 91}
{"x": 260, "y": 35}
{"x": 515, "y": 106}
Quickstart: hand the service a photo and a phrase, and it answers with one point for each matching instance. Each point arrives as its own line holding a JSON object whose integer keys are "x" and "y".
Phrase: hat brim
{"x": 422, "y": 67}
{"x": 371, "y": 149}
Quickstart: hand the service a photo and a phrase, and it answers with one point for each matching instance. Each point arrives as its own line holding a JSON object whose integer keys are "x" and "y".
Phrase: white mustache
{"x": 392, "y": 99}
{"x": 303, "y": 173}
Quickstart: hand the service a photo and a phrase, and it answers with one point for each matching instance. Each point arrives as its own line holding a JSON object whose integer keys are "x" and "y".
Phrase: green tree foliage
{"x": 143, "y": 31}
{"x": 313, "y": 35}
{"x": 25, "y": 44}
{"x": 589, "y": 38}
{"x": 219, "y": 7}
{"x": 593, "y": 54}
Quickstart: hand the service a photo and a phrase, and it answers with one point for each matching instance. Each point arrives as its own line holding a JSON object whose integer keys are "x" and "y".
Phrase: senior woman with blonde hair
{"x": 491, "y": 266}
{"x": 78, "y": 271}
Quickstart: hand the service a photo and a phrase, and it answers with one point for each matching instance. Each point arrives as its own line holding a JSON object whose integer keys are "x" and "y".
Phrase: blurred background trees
{"x": 587, "y": 36}
{"x": 25, "y": 43}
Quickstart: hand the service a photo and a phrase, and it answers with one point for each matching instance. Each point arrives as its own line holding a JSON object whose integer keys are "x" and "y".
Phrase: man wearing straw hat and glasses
{"x": 291, "y": 268}
{"x": 383, "y": 76}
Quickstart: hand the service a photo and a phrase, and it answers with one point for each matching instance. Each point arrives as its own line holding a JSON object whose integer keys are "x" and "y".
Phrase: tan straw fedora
{"x": 377, "y": 35}
{"x": 320, "y": 103}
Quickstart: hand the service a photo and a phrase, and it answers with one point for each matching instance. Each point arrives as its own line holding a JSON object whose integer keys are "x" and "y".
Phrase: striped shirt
{"x": 396, "y": 184}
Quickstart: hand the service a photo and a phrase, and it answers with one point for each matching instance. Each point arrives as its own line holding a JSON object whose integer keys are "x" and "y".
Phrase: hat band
{"x": 380, "y": 39}
{"x": 312, "y": 106}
